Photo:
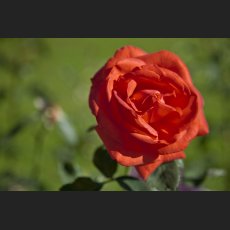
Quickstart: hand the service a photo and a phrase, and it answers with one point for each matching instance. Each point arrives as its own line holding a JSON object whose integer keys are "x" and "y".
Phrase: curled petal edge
{"x": 147, "y": 169}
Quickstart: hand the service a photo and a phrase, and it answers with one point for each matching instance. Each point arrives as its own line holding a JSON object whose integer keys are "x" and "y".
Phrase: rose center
{"x": 145, "y": 99}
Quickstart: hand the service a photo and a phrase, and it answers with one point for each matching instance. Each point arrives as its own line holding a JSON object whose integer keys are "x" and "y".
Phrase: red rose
{"x": 147, "y": 108}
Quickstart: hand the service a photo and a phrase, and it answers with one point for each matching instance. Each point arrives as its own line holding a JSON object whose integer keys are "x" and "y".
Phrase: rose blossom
{"x": 147, "y": 108}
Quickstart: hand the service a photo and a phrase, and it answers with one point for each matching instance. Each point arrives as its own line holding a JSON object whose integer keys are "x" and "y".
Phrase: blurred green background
{"x": 44, "y": 113}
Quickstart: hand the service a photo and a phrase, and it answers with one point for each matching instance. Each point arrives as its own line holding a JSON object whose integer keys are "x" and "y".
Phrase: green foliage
{"x": 130, "y": 183}
{"x": 104, "y": 162}
{"x": 166, "y": 177}
{"x": 82, "y": 184}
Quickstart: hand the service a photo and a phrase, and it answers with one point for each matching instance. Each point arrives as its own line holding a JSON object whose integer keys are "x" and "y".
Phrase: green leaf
{"x": 132, "y": 184}
{"x": 166, "y": 177}
{"x": 82, "y": 184}
{"x": 104, "y": 162}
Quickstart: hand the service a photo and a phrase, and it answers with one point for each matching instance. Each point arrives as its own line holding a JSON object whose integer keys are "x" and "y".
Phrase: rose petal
{"x": 139, "y": 120}
{"x": 123, "y": 53}
{"x": 203, "y": 124}
{"x": 182, "y": 139}
{"x": 159, "y": 78}
{"x": 114, "y": 129}
{"x": 146, "y": 126}
{"x": 94, "y": 98}
{"x": 144, "y": 138}
{"x": 147, "y": 169}
{"x": 169, "y": 61}
{"x": 113, "y": 76}
{"x": 119, "y": 149}
{"x": 158, "y": 111}
{"x": 131, "y": 87}
{"x": 123, "y": 103}
{"x": 113, "y": 144}
{"x": 128, "y": 64}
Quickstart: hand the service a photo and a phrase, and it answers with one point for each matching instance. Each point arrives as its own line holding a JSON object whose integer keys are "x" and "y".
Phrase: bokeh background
{"x": 46, "y": 138}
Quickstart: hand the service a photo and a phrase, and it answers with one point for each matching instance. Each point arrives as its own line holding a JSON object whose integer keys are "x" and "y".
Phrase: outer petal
{"x": 128, "y": 64}
{"x": 169, "y": 61}
{"x": 183, "y": 139}
{"x": 101, "y": 90}
{"x": 123, "y": 53}
{"x": 146, "y": 169}
{"x": 203, "y": 125}
{"x": 114, "y": 145}
{"x": 204, "y": 129}
{"x": 117, "y": 145}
